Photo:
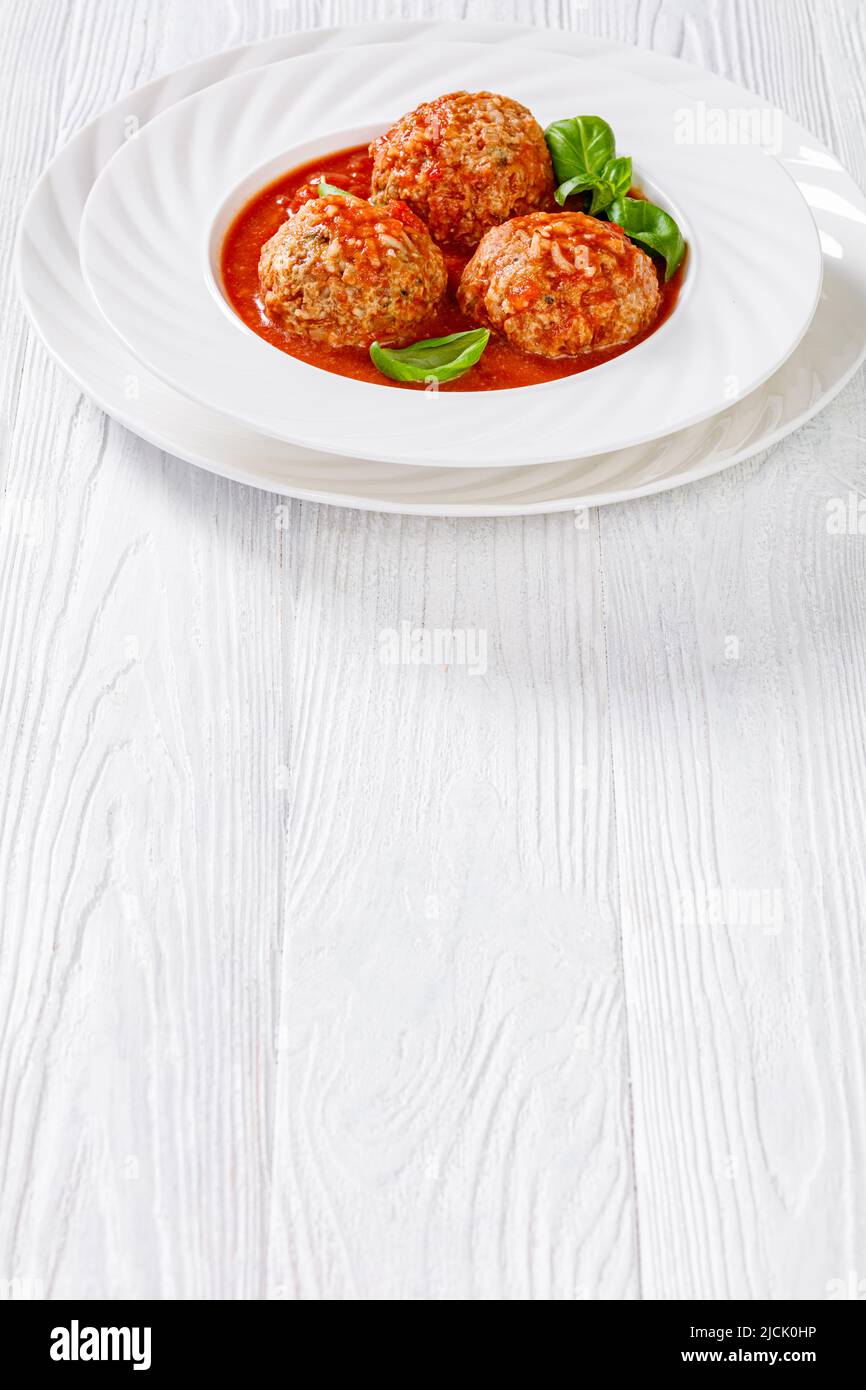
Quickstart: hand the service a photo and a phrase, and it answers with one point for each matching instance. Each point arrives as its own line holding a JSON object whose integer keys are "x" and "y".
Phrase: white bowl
{"x": 752, "y": 291}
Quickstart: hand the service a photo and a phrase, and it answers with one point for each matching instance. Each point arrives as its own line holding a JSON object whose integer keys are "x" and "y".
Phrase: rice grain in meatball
{"x": 464, "y": 162}
{"x": 345, "y": 273}
{"x": 560, "y": 283}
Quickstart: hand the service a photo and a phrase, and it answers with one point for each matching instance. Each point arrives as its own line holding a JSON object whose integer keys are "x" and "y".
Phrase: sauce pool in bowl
{"x": 501, "y": 367}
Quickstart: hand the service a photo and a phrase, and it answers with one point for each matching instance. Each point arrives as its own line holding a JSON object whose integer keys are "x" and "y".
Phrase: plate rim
{"x": 256, "y": 53}
{"x": 240, "y": 361}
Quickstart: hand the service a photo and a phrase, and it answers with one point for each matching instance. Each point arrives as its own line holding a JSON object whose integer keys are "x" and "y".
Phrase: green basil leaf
{"x": 644, "y": 222}
{"x": 618, "y": 173}
{"x": 584, "y": 157}
{"x": 442, "y": 359}
{"x": 602, "y": 195}
{"x": 583, "y": 152}
{"x": 329, "y": 190}
{"x": 614, "y": 183}
{"x": 579, "y": 184}
{"x": 579, "y": 145}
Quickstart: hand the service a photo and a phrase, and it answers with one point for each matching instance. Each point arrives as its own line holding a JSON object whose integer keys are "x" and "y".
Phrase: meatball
{"x": 560, "y": 283}
{"x": 344, "y": 272}
{"x": 464, "y": 162}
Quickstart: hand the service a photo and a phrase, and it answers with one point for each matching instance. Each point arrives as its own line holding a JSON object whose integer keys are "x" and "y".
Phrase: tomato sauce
{"x": 501, "y": 365}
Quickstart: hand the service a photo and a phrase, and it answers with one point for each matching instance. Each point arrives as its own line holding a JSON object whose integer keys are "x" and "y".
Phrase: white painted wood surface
{"x": 325, "y": 979}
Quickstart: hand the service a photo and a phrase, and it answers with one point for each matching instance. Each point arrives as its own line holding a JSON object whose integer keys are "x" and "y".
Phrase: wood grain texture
{"x": 452, "y": 1110}
{"x": 325, "y": 978}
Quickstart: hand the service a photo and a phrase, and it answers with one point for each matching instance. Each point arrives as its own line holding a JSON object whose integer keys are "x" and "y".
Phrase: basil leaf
{"x": 618, "y": 173}
{"x": 329, "y": 190}
{"x": 579, "y": 145}
{"x": 443, "y": 359}
{"x": 583, "y": 152}
{"x": 615, "y": 183}
{"x": 642, "y": 221}
{"x": 579, "y": 184}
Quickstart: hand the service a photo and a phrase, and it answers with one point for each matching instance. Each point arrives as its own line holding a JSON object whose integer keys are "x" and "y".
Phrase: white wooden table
{"x": 326, "y": 979}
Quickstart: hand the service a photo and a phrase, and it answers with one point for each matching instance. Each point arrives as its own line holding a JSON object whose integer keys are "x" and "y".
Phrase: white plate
{"x": 752, "y": 282}
{"x": 75, "y": 333}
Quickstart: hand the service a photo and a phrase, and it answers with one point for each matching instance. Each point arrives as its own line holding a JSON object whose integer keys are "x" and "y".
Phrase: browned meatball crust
{"x": 344, "y": 272}
{"x": 464, "y": 163}
{"x": 560, "y": 283}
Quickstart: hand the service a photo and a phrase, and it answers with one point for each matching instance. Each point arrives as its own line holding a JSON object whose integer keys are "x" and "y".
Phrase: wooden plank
{"x": 329, "y": 978}
{"x": 452, "y": 1111}
{"x": 142, "y": 832}
{"x": 736, "y": 656}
